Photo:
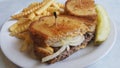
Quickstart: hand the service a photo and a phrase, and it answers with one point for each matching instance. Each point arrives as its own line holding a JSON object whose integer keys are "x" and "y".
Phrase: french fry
{"x": 56, "y": 6}
{"x": 39, "y": 11}
{"x": 27, "y": 42}
{"x": 37, "y": 17}
{"x": 14, "y": 26}
{"x": 61, "y": 5}
{"x": 51, "y": 9}
{"x": 31, "y": 16}
{"x": 48, "y": 13}
{"x": 22, "y": 35}
{"x": 32, "y": 5}
{"x": 24, "y": 46}
{"x": 28, "y": 11}
{"x": 22, "y": 20}
{"x": 21, "y": 28}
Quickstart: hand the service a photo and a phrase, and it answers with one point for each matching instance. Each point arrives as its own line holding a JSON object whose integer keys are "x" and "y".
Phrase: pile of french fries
{"x": 32, "y": 13}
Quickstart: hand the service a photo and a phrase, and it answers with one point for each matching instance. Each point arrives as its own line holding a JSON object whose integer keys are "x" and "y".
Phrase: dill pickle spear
{"x": 103, "y": 25}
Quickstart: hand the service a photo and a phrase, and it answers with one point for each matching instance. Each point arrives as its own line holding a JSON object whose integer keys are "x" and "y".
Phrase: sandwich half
{"x": 81, "y": 8}
{"x": 56, "y": 39}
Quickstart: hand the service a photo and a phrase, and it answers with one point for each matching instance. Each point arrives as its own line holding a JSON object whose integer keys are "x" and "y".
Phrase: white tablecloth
{"x": 111, "y": 60}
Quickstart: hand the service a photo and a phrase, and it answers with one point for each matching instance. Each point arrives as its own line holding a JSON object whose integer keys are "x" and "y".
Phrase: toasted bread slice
{"x": 44, "y": 32}
{"x": 82, "y": 8}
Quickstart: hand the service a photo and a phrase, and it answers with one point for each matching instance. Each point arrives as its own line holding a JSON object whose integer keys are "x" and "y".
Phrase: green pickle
{"x": 103, "y": 25}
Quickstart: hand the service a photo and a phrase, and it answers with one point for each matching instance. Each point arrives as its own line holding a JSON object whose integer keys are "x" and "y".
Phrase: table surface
{"x": 111, "y": 60}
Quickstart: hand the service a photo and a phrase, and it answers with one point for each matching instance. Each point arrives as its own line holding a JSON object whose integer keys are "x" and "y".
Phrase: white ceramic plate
{"x": 84, "y": 57}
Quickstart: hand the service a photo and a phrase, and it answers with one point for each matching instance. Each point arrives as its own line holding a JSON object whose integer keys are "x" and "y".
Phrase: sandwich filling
{"x": 65, "y": 44}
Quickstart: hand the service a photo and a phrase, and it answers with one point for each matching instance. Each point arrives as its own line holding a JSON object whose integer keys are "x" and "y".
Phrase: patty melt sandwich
{"x": 56, "y": 40}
